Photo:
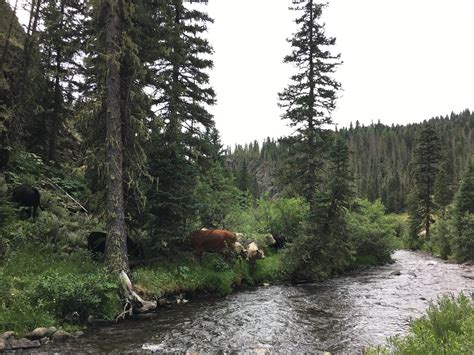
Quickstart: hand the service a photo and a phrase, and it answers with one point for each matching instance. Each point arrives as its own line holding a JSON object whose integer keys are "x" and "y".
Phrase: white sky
{"x": 404, "y": 61}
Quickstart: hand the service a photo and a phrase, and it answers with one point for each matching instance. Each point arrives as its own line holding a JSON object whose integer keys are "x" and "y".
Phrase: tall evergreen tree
{"x": 442, "y": 191}
{"x": 179, "y": 149}
{"x": 463, "y": 243}
{"x": 425, "y": 167}
{"x": 110, "y": 54}
{"x": 60, "y": 44}
{"x": 310, "y": 99}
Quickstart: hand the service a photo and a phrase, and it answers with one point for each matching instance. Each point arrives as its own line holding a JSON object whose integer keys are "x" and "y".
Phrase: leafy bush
{"x": 462, "y": 242}
{"x": 63, "y": 294}
{"x": 372, "y": 233}
{"x": 280, "y": 216}
{"x": 447, "y": 328}
{"x": 40, "y": 287}
{"x": 441, "y": 237}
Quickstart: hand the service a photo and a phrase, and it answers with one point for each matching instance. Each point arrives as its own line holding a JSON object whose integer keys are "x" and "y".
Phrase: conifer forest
{"x": 119, "y": 199}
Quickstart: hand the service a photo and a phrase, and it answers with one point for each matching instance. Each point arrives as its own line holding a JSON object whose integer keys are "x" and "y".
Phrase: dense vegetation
{"x": 104, "y": 109}
{"x": 447, "y": 328}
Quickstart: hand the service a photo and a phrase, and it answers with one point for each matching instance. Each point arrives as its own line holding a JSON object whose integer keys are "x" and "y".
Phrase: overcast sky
{"x": 404, "y": 61}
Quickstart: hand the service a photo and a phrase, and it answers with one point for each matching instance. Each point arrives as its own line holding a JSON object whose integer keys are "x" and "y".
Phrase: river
{"x": 342, "y": 314}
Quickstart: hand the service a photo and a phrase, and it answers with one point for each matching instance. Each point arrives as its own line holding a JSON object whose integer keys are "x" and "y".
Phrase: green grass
{"x": 213, "y": 273}
{"x": 39, "y": 287}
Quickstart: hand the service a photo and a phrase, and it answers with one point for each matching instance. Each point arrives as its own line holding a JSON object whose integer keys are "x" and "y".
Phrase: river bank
{"x": 343, "y": 314}
{"x": 41, "y": 288}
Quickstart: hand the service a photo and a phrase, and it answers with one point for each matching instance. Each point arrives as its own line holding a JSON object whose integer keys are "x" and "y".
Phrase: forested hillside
{"x": 379, "y": 160}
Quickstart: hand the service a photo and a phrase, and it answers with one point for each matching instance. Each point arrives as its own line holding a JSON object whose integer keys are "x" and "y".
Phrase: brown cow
{"x": 217, "y": 240}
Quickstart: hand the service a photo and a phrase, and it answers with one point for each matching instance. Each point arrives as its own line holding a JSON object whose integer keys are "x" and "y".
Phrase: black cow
{"x": 280, "y": 241}
{"x": 96, "y": 245}
{"x": 28, "y": 196}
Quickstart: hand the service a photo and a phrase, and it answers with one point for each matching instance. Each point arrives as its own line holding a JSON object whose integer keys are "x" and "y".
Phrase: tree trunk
{"x": 116, "y": 246}
{"x": 57, "y": 108}
{"x": 311, "y": 118}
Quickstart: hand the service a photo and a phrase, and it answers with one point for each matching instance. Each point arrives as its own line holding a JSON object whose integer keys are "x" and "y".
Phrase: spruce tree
{"x": 442, "y": 191}
{"x": 179, "y": 150}
{"x": 463, "y": 243}
{"x": 310, "y": 98}
{"x": 60, "y": 44}
{"x": 425, "y": 167}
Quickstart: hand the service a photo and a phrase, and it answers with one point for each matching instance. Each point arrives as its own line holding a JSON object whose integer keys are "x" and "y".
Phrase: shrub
{"x": 447, "y": 328}
{"x": 442, "y": 234}
{"x": 39, "y": 287}
{"x": 372, "y": 233}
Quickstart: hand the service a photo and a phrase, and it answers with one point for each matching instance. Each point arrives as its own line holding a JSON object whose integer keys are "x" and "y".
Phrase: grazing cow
{"x": 213, "y": 240}
{"x": 28, "y": 196}
{"x": 96, "y": 245}
{"x": 280, "y": 241}
{"x": 240, "y": 250}
{"x": 254, "y": 253}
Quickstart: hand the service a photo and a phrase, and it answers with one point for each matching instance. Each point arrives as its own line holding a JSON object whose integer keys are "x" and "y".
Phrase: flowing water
{"x": 343, "y": 314}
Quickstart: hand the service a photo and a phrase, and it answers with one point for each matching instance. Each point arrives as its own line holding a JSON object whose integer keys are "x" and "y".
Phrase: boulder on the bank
{"x": 8, "y": 335}
{"x": 61, "y": 335}
{"x": 38, "y": 333}
{"x": 3, "y": 344}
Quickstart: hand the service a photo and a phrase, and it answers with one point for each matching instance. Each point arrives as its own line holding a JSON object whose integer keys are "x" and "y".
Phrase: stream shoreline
{"x": 175, "y": 303}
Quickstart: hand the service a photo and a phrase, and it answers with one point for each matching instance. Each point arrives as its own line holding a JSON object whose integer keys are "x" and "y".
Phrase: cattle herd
{"x": 204, "y": 240}
{"x": 226, "y": 242}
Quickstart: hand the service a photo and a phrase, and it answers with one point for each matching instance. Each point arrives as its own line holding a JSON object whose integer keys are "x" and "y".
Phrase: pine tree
{"x": 425, "y": 167}
{"x": 179, "y": 150}
{"x": 463, "y": 242}
{"x": 109, "y": 54}
{"x": 310, "y": 99}
{"x": 60, "y": 44}
{"x": 442, "y": 191}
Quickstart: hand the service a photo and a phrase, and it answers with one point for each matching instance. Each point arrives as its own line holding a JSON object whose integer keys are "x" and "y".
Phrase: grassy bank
{"x": 213, "y": 274}
{"x": 41, "y": 287}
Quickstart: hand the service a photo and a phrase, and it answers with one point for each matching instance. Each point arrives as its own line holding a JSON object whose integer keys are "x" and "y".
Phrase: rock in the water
{"x": 23, "y": 343}
{"x": 396, "y": 273}
{"x": 38, "y": 333}
{"x": 61, "y": 335}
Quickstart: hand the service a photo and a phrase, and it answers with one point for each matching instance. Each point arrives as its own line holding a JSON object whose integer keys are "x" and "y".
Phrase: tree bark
{"x": 116, "y": 246}
{"x": 57, "y": 108}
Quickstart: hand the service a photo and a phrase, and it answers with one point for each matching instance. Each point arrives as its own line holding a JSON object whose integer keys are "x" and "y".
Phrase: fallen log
{"x": 134, "y": 303}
